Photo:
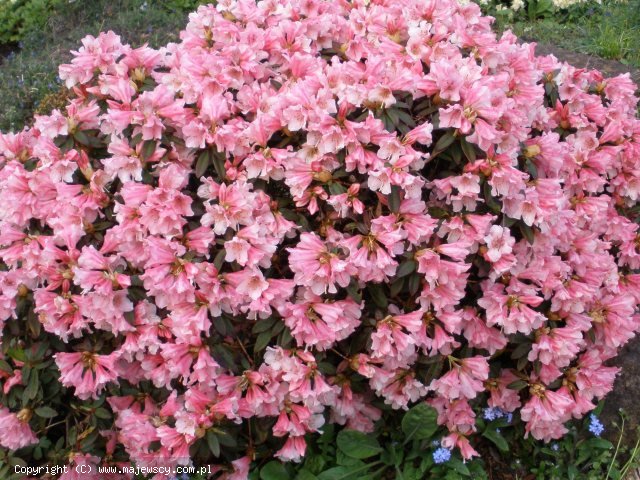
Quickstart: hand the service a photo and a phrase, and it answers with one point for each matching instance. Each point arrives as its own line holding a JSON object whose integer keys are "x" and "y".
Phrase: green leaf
{"x": 414, "y": 283}
{"x": 531, "y": 168}
{"x": 102, "y": 413}
{"x": 262, "y": 341}
{"x": 204, "y": 159}
{"x": 468, "y": 149}
{"x": 336, "y": 189}
{"x": 46, "y": 412}
{"x": 305, "y": 474}
{"x": 444, "y": 141}
{"x": 378, "y": 295}
{"x": 148, "y": 148}
{"x": 459, "y": 467}
{"x": 274, "y": 470}
{"x": 82, "y": 137}
{"x": 218, "y": 163}
{"x": 406, "y": 268}
{"x": 437, "y": 212}
{"x": 396, "y": 287}
{"x": 599, "y": 443}
{"x": 394, "y": 199}
{"x": 354, "y": 291}
{"x": 492, "y": 203}
{"x": 345, "y": 473}
{"x": 527, "y": 232}
{"x": 263, "y": 325}
{"x": 226, "y": 439}
{"x": 17, "y": 354}
{"x": 214, "y": 443}
{"x": 357, "y": 444}
{"x": 521, "y": 350}
{"x": 5, "y": 367}
{"x": 497, "y": 439}
{"x": 517, "y": 385}
{"x": 420, "y": 423}
{"x": 32, "y": 389}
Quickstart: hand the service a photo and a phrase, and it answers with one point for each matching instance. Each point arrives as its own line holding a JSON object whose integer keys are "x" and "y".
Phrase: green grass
{"x": 28, "y": 77}
{"x": 610, "y": 30}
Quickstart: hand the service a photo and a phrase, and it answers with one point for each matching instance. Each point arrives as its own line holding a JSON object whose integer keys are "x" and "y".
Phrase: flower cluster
{"x": 307, "y": 212}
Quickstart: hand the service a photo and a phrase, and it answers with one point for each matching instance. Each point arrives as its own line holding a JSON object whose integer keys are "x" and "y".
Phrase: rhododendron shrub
{"x": 309, "y": 213}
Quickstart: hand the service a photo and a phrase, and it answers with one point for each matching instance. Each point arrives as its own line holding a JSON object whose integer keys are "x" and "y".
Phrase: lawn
{"x": 610, "y": 29}
{"x": 29, "y": 72}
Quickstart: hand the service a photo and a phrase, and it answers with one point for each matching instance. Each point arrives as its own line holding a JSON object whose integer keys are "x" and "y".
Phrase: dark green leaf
{"x": 396, "y": 287}
{"x": 444, "y": 141}
{"x": 459, "y": 467}
{"x": 468, "y": 149}
{"x": 497, "y": 439}
{"x": 344, "y": 473}
{"x": 263, "y": 325}
{"x": 532, "y": 169}
{"x": 357, "y": 444}
{"x": 274, "y": 470}
{"x": 521, "y": 350}
{"x": 46, "y": 412}
{"x": 17, "y": 354}
{"x": 599, "y": 443}
{"x": 32, "y": 389}
{"x": 5, "y": 367}
{"x": 148, "y": 148}
{"x": 378, "y": 295}
{"x": 527, "y": 232}
{"x": 394, "y": 199}
{"x": 414, "y": 283}
{"x": 336, "y": 189}
{"x": 517, "y": 385}
{"x": 492, "y": 203}
{"x": 102, "y": 413}
{"x": 420, "y": 423}
{"x": 354, "y": 291}
{"x": 262, "y": 341}
{"x": 406, "y": 268}
{"x": 218, "y": 163}
{"x": 214, "y": 443}
{"x": 204, "y": 159}
{"x": 82, "y": 137}
{"x": 305, "y": 474}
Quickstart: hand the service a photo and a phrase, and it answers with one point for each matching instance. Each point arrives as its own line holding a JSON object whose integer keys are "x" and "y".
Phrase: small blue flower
{"x": 595, "y": 426}
{"x": 435, "y": 443}
{"x": 441, "y": 455}
{"x": 493, "y": 413}
{"x": 555, "y": 447}
{"x": 509, "y": 417}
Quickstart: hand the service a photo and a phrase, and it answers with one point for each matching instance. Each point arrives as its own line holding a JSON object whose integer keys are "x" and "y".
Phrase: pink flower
{"x": 15, "y": 432}
{"x": 499, "y": 243}
{"x": 465, "y": 379}
{"x": 293, "y": 450}
{"x": 317, "y": 267}
{"x": 87, "y": 372}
